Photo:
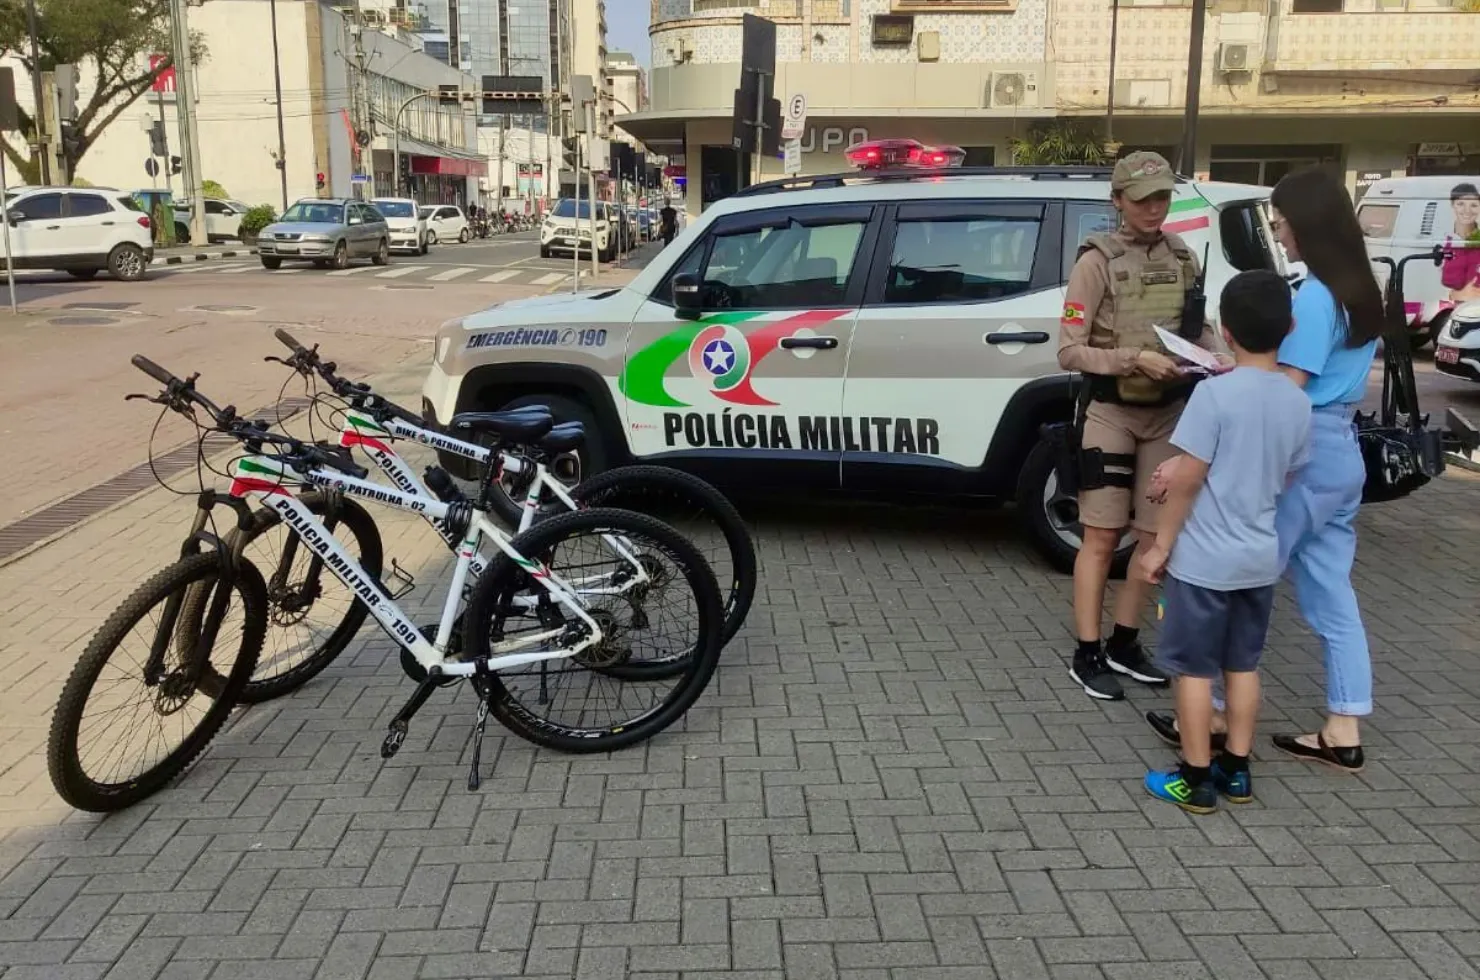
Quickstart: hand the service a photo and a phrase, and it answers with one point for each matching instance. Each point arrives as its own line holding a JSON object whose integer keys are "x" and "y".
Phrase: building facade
{"x": 1367, "y": 88}
{"x": 627, "y": 84}
{"x": 329, "y": 106}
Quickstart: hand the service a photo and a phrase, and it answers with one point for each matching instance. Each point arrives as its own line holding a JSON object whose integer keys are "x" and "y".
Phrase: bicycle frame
{"x": 270, "y": 481}
{"x": 370, "y": 435}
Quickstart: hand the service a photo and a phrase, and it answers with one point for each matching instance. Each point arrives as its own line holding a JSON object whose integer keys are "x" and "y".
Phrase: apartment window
{"x": 1316, "y": 7}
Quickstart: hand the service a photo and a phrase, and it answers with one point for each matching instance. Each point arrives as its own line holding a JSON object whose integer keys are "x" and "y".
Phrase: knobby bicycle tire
{"x": 361, "y": 524}
{"x": 613, "y": 488}
{"x": 74, "y": 785}
{"x": 504, "y": 577}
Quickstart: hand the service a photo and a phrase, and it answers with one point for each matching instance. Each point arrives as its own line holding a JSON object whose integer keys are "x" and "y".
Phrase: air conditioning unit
{"x": 680, "y": 51}
{"x": 1013, "y": 89}
{"x": 1234, "y": 57}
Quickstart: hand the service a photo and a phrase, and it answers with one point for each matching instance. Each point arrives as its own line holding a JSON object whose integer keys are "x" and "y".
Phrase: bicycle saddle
{"x": 563, "y": 438}
{"x": 518, "y": 425}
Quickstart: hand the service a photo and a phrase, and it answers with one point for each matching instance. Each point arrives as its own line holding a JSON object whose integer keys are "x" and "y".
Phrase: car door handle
{"x": 108, "y": 222}
{"x": 816, "y": 343}
{"x": 53, "y": 227}
{"x": 1023, "y": 337}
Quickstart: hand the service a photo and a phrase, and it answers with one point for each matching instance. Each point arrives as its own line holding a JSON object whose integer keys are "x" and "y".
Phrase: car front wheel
{"x": 382, "y": 254}
{"x": 272, "y": 262}
{"x": 341, "y": 256}
{"x": 463, "y": 236}
{"x": 127, "y": 263}
{"x": 1052, "y": 516}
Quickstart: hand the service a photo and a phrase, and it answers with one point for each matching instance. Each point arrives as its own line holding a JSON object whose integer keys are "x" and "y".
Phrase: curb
{"x": 202, "y": 257}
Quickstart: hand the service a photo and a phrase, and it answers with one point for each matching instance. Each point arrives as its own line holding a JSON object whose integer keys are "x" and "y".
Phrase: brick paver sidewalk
{"x": 891, "y": 778}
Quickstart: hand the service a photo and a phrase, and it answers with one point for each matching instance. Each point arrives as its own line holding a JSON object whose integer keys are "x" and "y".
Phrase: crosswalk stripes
{"x": 500, "y": 276}
{"x": 533, "y": 276}
{"x": 451, "y": 274}
{"x": 400, "y": 271}
{"x": 352, "y": 271}
{"x": 228, "y": 270}
{"x": 548, "y": 279}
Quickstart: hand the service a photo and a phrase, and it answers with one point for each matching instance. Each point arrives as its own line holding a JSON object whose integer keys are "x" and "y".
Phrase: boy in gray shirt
{"x": 1241, "y": 436}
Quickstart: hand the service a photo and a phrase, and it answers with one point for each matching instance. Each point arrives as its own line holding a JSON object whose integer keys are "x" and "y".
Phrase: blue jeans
{"x": 1318, "y": 545}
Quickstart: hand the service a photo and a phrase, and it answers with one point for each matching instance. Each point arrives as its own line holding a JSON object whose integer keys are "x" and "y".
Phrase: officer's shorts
{"x": 1145, "y": 433}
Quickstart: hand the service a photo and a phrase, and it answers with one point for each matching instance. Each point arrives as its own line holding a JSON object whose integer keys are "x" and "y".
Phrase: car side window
{"x": 961, "y": 260}
{"x": 40, "y": 207}
{"x": 216, "y": 207}
{"x": 87, "y": 205}
{"x": 447, "y": 214}
{"x": 1378, "y": 220}
{"x": 791, "y": 266}
{"x": 1082, "y": 219}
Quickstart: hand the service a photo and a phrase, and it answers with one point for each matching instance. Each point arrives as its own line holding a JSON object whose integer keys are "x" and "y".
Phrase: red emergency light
{"x": 878, "y": 154}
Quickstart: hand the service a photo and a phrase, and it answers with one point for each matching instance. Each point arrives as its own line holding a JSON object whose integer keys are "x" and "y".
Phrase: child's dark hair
{"x": 1255, "y": 309}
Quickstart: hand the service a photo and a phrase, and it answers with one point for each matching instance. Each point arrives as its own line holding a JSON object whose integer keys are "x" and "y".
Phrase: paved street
{"x": 891, "y": 777}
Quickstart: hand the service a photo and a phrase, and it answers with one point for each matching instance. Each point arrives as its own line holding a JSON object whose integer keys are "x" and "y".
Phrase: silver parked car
{"x": 327, "y": 232}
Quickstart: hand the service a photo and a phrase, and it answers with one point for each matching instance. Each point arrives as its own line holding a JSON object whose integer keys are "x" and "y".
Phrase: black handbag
{"x": 1400, "y": 451}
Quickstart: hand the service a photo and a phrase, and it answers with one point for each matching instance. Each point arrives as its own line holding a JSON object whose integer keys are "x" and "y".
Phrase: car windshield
{"x": 426, "y": 212}
{"x": 315, "y": 213}
{"x": 567, "y": 209}
{"x": 396, "y": 209}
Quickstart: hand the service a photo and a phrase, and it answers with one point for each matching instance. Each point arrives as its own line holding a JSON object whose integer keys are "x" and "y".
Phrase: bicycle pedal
{"x": 401, "y": 583}
{"x": 393, "y": 741}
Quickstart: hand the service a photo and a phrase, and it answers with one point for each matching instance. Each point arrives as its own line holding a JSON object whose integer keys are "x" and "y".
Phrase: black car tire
{"x": 1054, "y": 538}
{"x": 341, "y": 256}
{"x": 271, "y": 262}
{"x": 382, "y": 254}
{"x": 82, "y": 273}
{"x": 544, "y": 251}
{"x": 127, "y": 262}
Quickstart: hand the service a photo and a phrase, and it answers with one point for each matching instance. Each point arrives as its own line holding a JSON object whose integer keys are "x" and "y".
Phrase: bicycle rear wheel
{"x": 681, "y": 594}
{"x": 186, "y": 698}
{"x": 696, "y": 510}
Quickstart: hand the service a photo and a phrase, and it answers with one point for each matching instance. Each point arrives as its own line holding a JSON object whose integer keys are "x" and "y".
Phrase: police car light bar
{"x": 879, "y": 154}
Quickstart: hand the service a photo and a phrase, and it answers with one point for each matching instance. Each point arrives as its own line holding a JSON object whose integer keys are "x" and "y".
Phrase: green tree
{"x": 110, "y": 41}
{"x": 214, "y": 190}
{"x": 1059, "y": 143}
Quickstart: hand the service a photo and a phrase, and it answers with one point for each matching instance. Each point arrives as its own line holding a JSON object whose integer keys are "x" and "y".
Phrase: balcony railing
{"x": 766, "y": 8}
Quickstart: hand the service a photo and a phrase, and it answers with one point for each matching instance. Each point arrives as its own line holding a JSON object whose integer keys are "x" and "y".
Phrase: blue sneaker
{"x": 1171, "y": 787}
{"x": 1237, "y": 787}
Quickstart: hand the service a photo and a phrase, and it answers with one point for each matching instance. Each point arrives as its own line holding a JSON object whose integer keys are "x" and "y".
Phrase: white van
{"x": 1404, "y": 215}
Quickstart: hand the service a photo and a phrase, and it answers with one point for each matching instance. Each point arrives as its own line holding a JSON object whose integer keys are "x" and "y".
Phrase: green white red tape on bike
{"x": 243, "y": 485}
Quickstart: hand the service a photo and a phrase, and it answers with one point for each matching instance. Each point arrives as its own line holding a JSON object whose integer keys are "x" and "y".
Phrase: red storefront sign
{"x": 449, "y": 167}
{"x": 165, "y": 81}
{"x": 671, "y": 171}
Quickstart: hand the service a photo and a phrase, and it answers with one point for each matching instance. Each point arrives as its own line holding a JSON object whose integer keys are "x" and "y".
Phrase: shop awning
{"x": 655, "y": 130}
{"x": 445, "y": 160}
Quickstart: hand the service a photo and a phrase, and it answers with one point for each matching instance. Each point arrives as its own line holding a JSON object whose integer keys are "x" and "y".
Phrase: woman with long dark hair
{"x": 1339, "y": 316}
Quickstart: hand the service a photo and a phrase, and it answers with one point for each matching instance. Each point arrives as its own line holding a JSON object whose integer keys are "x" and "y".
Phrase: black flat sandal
{"x": 1347, "y": 758}
{"x": 1165, "y": 727}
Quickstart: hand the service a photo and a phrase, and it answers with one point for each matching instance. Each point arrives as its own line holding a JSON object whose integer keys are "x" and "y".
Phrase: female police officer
{"x": 1123, "y": 284}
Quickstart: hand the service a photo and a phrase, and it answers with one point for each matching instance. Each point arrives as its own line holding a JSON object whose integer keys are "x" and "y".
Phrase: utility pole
{"x": 194, "y": 179}
{"x": 358, "y": 99}
{"x": 1188, "y": 163}
{"x": 277, "y": 83}
{"x": 36, "y": 119}
{"x": 591, "y": 183}
{"x": 1110, "y": 88}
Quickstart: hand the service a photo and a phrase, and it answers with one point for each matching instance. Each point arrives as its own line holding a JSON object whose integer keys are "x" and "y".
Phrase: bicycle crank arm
{"x": 401, "y": 724}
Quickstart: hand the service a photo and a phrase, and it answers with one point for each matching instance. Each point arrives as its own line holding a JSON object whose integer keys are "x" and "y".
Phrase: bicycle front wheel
{"x": 672, "y": 616}
{"x": 140, "y": 677}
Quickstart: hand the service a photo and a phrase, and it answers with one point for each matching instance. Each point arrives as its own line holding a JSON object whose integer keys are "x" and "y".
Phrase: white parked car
{"x": 78, "y": 230}
{"x": 445, "y": 223}
{"x": 1457, "y": 348}
{"x": 409, "y": 230}
{"x": 223, "y": 220}
{"x": 563, "y": 228}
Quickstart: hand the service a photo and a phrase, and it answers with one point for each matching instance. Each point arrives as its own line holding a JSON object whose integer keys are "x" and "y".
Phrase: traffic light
{"x": 71, "y": 138}
{"x": 65, "y": 79}
{"x": 157, "y": 147}
{"x": 570, "y": 147}
{"x": 319, "y": 180}
{"x": 174, "y": 165}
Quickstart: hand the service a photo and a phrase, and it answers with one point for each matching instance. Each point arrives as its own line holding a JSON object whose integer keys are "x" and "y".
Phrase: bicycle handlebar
{"x": 306, "y": 360}
{"x": 154, "y": 370}
{"x": 288, "y": 341}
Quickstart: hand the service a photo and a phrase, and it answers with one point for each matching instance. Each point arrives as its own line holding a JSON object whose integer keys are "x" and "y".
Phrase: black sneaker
{"x": 1132, "y": 661}
{"x": 1091, "y": 672}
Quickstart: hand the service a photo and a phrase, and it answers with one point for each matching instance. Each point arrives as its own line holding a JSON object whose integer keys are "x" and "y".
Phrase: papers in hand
{"x": 1177, "y": 346}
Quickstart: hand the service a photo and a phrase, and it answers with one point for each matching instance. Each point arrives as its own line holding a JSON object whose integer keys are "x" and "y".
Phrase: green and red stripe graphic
{"x": 243, "y": 485}
{"x": 366, "y": 433}
{"x": 718, "y": 354}
{"x": 1189, "y": 221}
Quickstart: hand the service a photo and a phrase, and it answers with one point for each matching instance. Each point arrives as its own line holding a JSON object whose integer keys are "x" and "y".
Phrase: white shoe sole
{"x": 1133, "y": 675}
{"x": 1098, "y": 695}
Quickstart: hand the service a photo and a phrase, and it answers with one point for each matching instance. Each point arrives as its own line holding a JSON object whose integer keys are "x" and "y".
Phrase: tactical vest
{"x": 1145, "y": 293}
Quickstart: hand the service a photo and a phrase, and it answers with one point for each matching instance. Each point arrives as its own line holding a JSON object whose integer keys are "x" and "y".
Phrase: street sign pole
{"x": 9, "y": 265}
{"x": 9, "y": 121}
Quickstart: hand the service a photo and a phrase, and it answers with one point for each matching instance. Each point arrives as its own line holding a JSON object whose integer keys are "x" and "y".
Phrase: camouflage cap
{"x": 1143, "y": 173}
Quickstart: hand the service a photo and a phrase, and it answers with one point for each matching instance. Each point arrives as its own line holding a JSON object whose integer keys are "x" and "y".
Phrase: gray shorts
{"x": 1206, "y": 632}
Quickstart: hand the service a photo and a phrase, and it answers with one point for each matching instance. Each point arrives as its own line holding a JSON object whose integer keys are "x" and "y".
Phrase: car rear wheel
{"x": 182, "y": 234}
{"x": 1052, "y": 516}
{"x": 127, "y": 263}
{"x": 382, "y": 254}
{"x": 463, "y": 236}
{"x": 432, "y": 238}
{"x": 341, "y": 256}
{"x": 82, "y": 273}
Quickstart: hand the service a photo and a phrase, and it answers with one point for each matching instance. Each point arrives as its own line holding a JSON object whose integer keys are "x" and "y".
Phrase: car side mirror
{"x": 687, "y": 293}
{"x": 15, "y": 217}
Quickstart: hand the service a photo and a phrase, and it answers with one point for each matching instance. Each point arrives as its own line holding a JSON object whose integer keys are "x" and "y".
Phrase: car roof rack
{"x": 820, "y": 181}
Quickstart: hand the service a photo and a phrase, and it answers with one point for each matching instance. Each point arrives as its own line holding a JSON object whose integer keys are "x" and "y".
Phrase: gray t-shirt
{"x": 1252, "y": 428}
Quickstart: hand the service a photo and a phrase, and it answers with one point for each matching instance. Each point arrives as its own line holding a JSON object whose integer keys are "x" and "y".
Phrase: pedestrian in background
{"x": 1338, "y": 319}
{"x": 1217, "y": 553}
{"x": 1123, "y": 284}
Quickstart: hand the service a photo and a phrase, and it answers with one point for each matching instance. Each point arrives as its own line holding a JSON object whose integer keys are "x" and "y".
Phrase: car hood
{"x": 301, "y": 228}
{"x": 516, "y": 312}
